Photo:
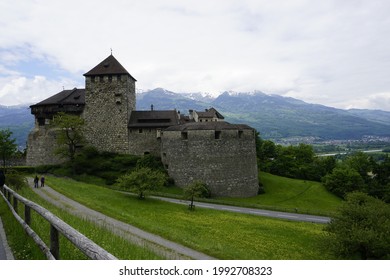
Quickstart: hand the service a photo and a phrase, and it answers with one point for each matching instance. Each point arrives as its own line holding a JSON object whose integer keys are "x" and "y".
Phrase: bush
{"x": 360, "y": 229}
{"x": 142, "y": 180}
{"x": 24, "y": 169}
{"x": 150, "y": 161}
{"x": 15, "y": 180}
{"x": 343, "y": 180}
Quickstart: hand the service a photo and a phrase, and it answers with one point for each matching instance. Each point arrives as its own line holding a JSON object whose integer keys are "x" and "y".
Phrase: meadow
{"x": 25, "y": 249}
{"x": 219, "y": 234}
{"x": 291, "y": 195}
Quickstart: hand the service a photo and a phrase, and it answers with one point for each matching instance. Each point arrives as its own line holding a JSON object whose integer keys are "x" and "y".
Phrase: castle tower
{"x": 109, "y": 100}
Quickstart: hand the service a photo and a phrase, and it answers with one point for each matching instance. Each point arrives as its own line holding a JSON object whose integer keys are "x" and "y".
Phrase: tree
{"x": 142, "y": 180}
{"x": 70, "y": 136}
{"x": 362, "y": 163}
{"x": 343, "y": 180}
{"x": 196, "y": 189}
{"x": 360, "y": 229}
{"x": 7, "y": 146}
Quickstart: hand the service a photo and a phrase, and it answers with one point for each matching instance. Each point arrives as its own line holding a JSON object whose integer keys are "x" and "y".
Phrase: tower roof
{"x": 109, "y": 66}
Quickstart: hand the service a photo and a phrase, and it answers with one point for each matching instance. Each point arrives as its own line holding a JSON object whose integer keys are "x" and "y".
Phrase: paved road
{"x": 161, "y": 246}
{"x": 5, "y": 251}
{"x": 254, "y": 211}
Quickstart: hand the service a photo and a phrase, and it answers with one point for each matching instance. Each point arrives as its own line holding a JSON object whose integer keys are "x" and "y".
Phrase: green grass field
{"x": 292, "y": 194}
{"x": 25, "y": 249}
{"x": 220, "y": 234}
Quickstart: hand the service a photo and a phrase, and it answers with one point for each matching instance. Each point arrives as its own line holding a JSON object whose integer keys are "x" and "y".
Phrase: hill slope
{"x": 19, "y": 120}
{"x": 276, "y": 116}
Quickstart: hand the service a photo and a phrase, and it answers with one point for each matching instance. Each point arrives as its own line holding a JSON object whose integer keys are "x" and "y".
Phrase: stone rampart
{"x": 223, "y": 159}
{"x": 41, "y": 146}
{"x": 144, "y": 141}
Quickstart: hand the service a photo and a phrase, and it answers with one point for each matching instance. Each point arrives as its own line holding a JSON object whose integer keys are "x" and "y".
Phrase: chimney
{"x": 151, "y": 107}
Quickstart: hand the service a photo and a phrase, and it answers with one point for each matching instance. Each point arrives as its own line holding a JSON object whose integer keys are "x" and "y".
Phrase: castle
{"x": 200, "y": 146}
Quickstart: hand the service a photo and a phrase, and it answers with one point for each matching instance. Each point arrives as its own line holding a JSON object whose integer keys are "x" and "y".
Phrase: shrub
{"x": 361, "y": 228}
{"x": 196, "y": 189}
{"x": 15, "y": 180}
{"x": 142, "y": 180}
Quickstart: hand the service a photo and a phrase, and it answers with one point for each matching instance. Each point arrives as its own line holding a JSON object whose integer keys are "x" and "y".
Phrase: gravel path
{"x": 5, "y": 251}
{"x": 159, "y": 245}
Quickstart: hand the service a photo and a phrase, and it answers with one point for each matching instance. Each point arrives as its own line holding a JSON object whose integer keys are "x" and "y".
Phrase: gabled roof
{"x": 66, "y": 97}
{"x": 210, "y": 113}
{"x": 153, "y": 119}
{"x": 109, "y": 66}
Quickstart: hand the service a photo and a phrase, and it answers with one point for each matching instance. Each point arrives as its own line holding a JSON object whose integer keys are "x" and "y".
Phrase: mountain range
{"x": 275, "y": 117}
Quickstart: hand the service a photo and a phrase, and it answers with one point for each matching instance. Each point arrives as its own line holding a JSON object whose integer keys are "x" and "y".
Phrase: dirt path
{"x": 5, "y": 251}
{"x": 159, "y": 245}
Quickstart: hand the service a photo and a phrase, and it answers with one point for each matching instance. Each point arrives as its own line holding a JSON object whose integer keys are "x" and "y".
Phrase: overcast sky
{"x": 335, "y": 53}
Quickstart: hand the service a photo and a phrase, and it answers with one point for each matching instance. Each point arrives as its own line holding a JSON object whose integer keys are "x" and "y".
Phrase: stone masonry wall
{"x": 41, "y": 145}
{"x": 227, "y": 165}
{"x": 108, "y": 103}
{"x": 144, "y": 141}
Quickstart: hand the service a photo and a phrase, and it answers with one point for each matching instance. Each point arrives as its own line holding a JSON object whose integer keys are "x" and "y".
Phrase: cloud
{"x": 374, "y": 101}
{"x": 22, "y": 90}
{"x": 327, "y": 52}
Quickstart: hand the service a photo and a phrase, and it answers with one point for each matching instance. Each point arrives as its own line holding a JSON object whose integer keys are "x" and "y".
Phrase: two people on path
{"x": 36, "y": 181}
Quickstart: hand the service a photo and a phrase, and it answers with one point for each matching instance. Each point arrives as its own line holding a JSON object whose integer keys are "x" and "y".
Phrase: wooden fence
{"x": 57, "y": 226}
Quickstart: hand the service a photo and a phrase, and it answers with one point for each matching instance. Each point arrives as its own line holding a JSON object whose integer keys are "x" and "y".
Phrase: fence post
{"x": 15, "y": 203}
{"x": 54, "y": 242}
{"x": 27, "y": 214}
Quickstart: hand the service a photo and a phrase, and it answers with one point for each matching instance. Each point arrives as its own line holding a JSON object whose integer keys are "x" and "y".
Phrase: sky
{"x": 335, "y": 53}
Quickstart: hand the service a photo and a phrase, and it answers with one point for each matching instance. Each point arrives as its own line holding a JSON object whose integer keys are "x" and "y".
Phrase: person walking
{"x": 2, "y": 178}
{"x": 36, "y": 180}
{"x": 42, "y": 182}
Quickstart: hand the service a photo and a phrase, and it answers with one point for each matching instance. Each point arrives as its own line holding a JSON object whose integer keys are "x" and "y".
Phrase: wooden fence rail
{"x": 85, "y": 245}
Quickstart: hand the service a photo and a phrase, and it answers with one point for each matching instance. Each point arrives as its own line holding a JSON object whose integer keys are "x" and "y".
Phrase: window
{"x": 217, "y": 134}
{"x": 140, "y": 130}
{"x": 240, "y": 132}
{"x": 184, "y": 135}
{"x": 41, "y": 121}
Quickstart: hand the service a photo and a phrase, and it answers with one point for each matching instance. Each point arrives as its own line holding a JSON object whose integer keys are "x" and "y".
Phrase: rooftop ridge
{"x": 109, "y": 66}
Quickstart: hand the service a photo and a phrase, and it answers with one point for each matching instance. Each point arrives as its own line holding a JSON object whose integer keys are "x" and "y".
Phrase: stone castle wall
{"x": 144, "y": 141}
{"x": 109, "y": 101}
{"x": 227, "y": 165}
{"x": 41, "y": 145}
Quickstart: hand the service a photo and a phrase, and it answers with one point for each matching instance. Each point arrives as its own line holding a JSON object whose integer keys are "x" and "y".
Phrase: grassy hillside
{"x": 216, "y": 233}
{"x": 289, "y": 194}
